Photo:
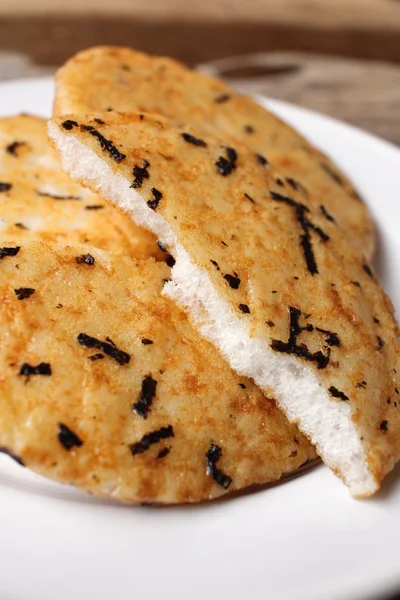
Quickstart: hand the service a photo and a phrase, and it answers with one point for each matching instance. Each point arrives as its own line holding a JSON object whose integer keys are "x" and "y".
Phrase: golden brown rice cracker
{"x": 265, "y": 276}
{"x": 39, "y": 202}
{"x": 113, "y": 78}
{"x": 105, "y": 385}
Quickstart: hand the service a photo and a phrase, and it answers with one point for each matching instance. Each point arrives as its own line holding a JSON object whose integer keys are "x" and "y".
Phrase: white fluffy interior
{"x": 296, "y": 389}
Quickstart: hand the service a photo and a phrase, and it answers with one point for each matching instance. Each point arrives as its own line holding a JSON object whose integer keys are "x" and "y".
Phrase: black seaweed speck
{"x": 244, "y": 308}
{"x": 57, "y": 196}
{"x": 94, "y": 206}
{"x": 216, "y": 265}
{"x": 248, "y": 129}
{"x": 23, "y": 293}
{"x": 105, "y": 144}
{"x": 5, "y": 186}
{"x": 261, "y": 159}
{"x": 157, "y": 195}
{"x": 147, "y": 342}
{"x": 301, "y": 350}
{"x": 67, "y": 437}
{"x": 147, "y": 393}
{"x": 337, "y": 393}
{"x": 241, "y": 385}
{"x": 13, "y": 147}
{"x": 224, "y": 165}
{"x": 249, "y": 198}
{"x": 140, "y": 173}
{"x": 97, "y": 356}
{"x": 191, "y": 139}
{"x": 170, "y": 261}
{"x": 42, "y": 368}
{"x": 380, "y": 341}
{"x": 85, "y": 259}
{"x": 69, "y": 124}
{"x": 151, "y": 438}
{"x": 383, "y": 426}
{"x": 222, "y": 98}
{"x": 163, "y": 453}
{"x": 307, "y": 226}
{"x": 326, "y": 214}
{"x": 109, "y": 349}
{"x": 213, "y": 455}
{"x": 368, "y": 270}
{"x": 332, "y": 174}
{"x": 234, "y": 282}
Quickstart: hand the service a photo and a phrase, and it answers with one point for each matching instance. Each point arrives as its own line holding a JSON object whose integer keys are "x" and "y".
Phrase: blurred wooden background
{"x": 50, "y": 30}
{"x": 340, "y": 57}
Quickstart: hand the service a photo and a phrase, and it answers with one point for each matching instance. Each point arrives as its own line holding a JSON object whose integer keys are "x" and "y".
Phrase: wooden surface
{"x": 329, "y": 14}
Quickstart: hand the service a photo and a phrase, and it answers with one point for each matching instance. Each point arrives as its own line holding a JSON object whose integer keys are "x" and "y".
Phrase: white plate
{"x": 303, "y": 539}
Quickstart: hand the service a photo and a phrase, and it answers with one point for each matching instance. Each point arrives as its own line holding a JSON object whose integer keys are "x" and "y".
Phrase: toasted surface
{"x": 112, "y": 78}
{"x": 271, "y": 281}
{"x": 79, "y": 412}
{"x": 39, "y": 202}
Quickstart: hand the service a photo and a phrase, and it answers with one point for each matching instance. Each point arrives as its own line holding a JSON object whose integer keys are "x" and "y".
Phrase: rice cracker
{"x": 266, "y": 277}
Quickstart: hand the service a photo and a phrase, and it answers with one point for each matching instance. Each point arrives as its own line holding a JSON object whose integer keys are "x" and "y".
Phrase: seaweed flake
{"x": 98, "y": 356}
{"x": 147, "y": 393}
{"x": 249, "y": 197}
{"x": 222, "y": 98}
{"x": 69, "y": 124}
{"x": 270, "y": 323}
{"x": 152, "y": 438}
{"x": 147, "y": 342}
{"x": 163, "y": 452}
{"x": 296, "y": 185}
{"x": 57, "y": 196}
{"x": 67, "y": 437}
{"x": 216, "y": 265}
{"x": 213, "y": 455}
{"x": 94, "y": 206}
{"x": 326, "y": 214}
{"x": 301, "y": 350}
{"x": 332, "y": 174}
{"x": 248, "y": 129}
{"x": 307, "y": 226}
{"x": 361, "y": 384}
{"x": 244, "y": 308}
{"x": 8, "y": 452}
{"x": 23, "y": 293}
{"x": 140, "y": 173}
{"x": 332, "y": 339}
{"x": 99, "y": 121}
{"x": 153, "y": 204}
{"x": 5, "y": 186}
{"x": 279, "y": 181}
{"x": 105, "y": 144}
{"x": 110, "y": 349}
{"x": 191, "y": 139}
{"x": 85, "y": 259}
{"x": 383, "y": 426}
{"x": 21, "y": 226}
{"x": 13, "y": 147}
{"x": 42, "y": 368}
{"x": 337, "y": 393}
{"x": 261, "y": 159}
{"x": 170, "y": 261}
{"x": 380, "y": 341}
{"x": 241, "y": 385}
{"x": 224, "y": 165}
{"x": 356, "y": 283}
{"x": 234, "y": 282}
{"x": 368, "y": 270}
